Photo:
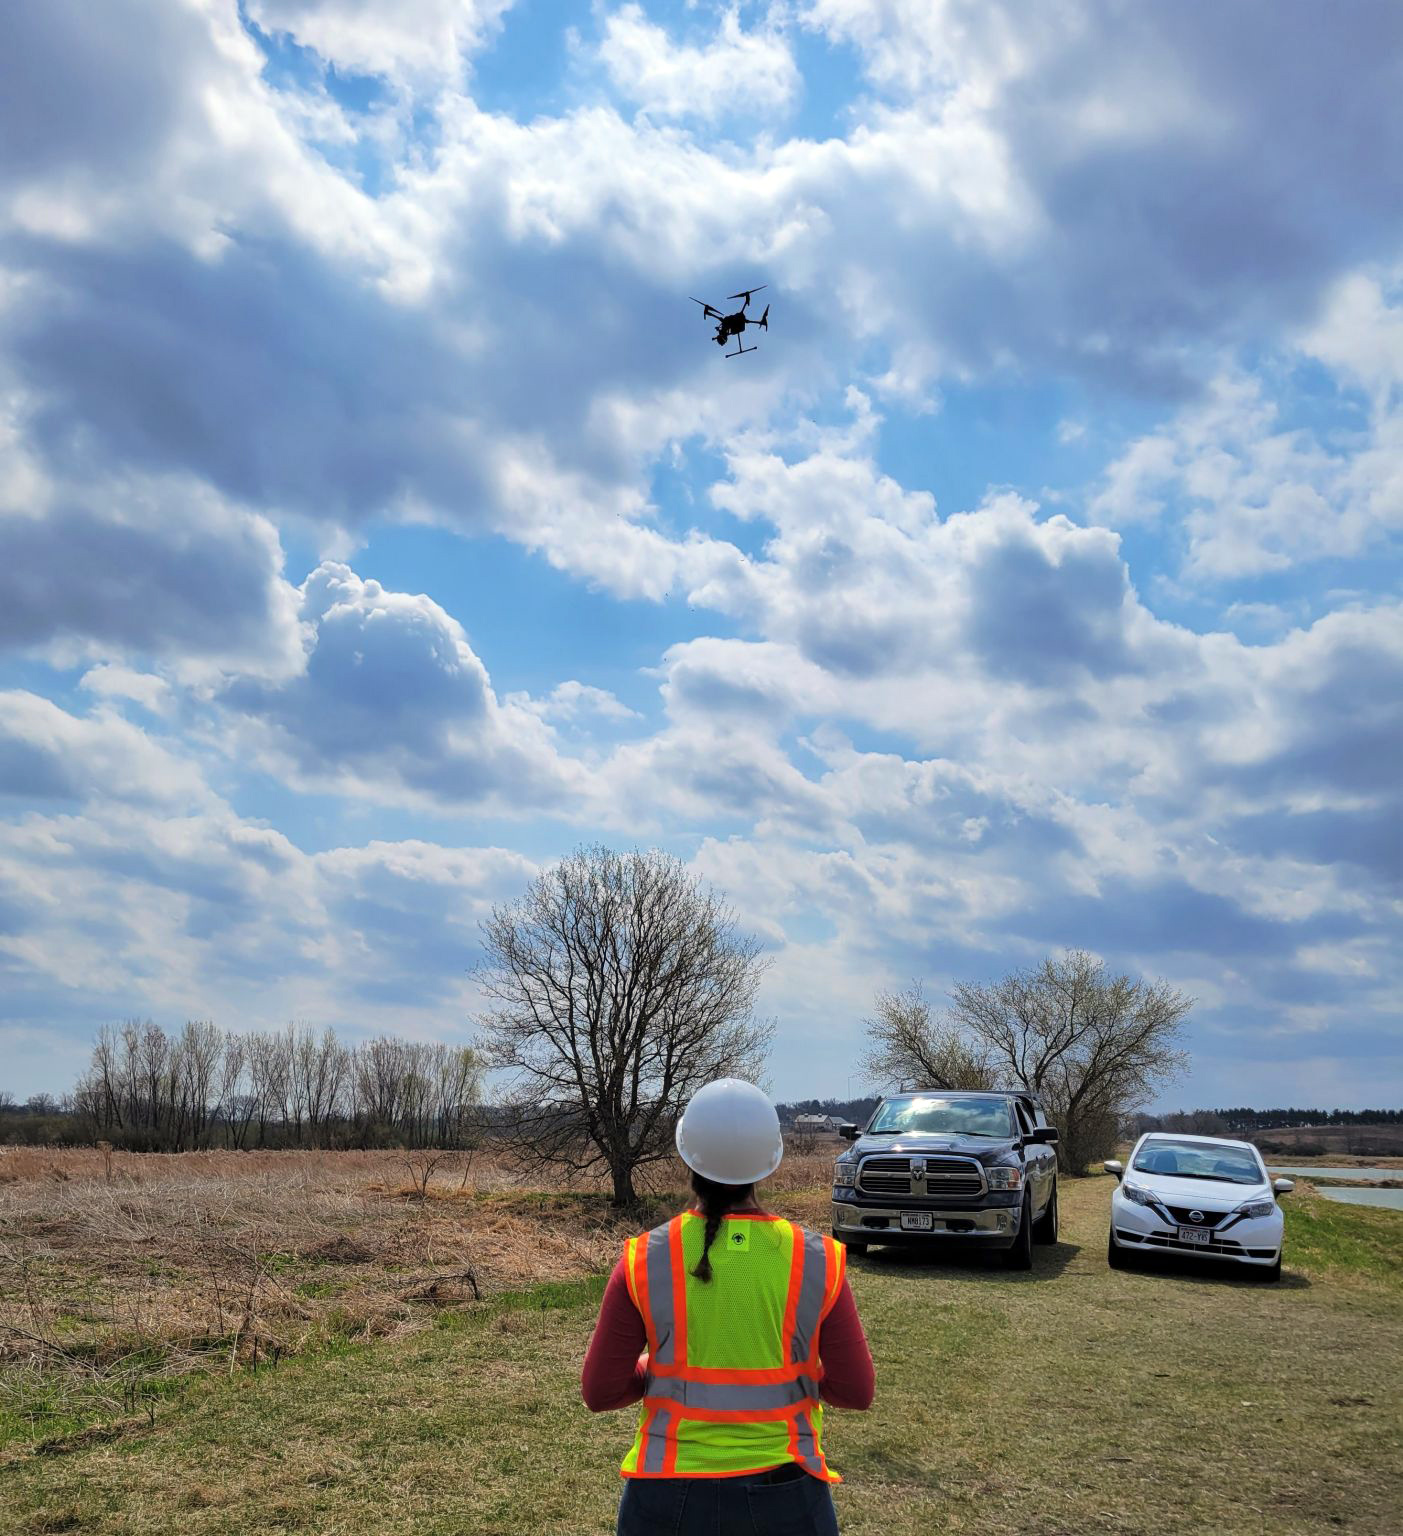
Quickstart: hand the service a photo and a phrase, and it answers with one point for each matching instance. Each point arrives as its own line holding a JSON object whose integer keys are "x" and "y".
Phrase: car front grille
{"x": 1181, "y": 1214}
{"x": 955, "y": 1178}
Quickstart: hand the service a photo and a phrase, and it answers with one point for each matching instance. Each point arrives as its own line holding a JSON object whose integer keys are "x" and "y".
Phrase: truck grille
{"x": 958, "y": 1178}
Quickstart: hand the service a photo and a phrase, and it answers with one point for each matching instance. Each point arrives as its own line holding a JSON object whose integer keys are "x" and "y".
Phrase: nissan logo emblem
{"x": 1195, "y": 1215}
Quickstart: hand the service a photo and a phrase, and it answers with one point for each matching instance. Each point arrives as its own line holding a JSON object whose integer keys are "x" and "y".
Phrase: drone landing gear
{"x": 740, "y": 349}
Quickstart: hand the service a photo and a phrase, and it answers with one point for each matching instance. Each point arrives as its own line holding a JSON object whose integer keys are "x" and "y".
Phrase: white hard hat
{"x": 730, "y": 1133}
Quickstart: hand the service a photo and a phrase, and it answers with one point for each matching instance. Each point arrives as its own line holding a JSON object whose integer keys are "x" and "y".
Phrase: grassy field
{"x": 1072, "y": 1399}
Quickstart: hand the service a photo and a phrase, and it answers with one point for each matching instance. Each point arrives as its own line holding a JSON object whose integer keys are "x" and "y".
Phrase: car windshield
{"x": 1198, "y": 1160}
{"x": 944, "y": 1115}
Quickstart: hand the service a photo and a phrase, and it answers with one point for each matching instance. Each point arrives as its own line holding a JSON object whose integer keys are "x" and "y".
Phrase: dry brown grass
{"x": 113, "y": 1284}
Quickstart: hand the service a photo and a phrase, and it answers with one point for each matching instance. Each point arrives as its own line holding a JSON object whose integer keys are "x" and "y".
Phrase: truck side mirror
{"x": 1112, "y": 1166}
{"x": 849, "y": 1133}
{"x": 1046, "y": 1134}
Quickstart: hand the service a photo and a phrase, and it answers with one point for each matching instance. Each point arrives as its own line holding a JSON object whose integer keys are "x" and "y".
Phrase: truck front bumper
{"x": 997, "y": 1226}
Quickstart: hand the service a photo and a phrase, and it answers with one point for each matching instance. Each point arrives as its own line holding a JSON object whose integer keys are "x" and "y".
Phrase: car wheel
{"x": 1271, "y": 1275}
{"x": 1116, "y": 1256}
{"x": 1045, "y": 1228}
{"x": 1020, "y": 1256}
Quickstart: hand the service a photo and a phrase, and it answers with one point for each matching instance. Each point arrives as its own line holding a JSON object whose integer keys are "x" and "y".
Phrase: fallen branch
{"x": 423, "y": 1286}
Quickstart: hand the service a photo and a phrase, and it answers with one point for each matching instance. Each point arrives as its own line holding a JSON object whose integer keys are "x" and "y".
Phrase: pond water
{"x": 1391, "y": 1198}
{"x": 1337, "y": 1173}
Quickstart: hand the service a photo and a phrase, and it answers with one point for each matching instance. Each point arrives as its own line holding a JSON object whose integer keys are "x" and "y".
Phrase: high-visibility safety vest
{"x": 733, "y": 1367}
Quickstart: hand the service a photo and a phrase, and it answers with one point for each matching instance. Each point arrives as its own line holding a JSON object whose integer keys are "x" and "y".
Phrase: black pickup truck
{"x": 973, "y": 1168}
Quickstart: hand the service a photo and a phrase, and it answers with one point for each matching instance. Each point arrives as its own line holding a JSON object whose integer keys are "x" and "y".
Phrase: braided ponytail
{"x": 715, "y": 1200}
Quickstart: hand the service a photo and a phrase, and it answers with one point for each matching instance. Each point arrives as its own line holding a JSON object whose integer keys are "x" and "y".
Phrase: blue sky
{"x": 378, "y": 521}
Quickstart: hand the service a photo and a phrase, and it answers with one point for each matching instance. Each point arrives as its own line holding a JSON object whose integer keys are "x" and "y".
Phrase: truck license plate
{"x": 1194, "y": 1234}
{"x": 917, "y": 1221}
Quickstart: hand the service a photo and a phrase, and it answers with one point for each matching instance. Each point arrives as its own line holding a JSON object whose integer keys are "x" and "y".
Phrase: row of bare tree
{"x": 206, "y": 1087}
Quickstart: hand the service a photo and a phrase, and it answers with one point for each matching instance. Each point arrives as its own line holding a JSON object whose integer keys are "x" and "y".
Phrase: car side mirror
{"x": 1283, "y": 1186}
{"x": 849, "y": 1132}
{"x": 1046, "y": 1134}
{"x": 1111, "y": 1165}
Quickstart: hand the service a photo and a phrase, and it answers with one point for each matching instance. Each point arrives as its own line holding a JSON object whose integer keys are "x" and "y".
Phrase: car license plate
{"x": 1194, "y": 1234}
{"x": 917, "y": 1221}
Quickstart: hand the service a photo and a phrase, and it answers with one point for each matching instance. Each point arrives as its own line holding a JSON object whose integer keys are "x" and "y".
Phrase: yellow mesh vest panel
{"x": 737, "y": 1319}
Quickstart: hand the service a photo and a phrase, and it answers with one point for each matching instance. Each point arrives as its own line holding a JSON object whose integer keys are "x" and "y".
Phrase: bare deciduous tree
{"x": 1093, "y": 1047}
{"x": 422, "y": 1164}
{"x": 323, "y": 1065}
{"x": 908, "y": 1046}
{"x": 621, "y": 986}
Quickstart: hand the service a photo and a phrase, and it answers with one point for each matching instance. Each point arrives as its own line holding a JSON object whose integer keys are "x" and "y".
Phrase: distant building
{"x": 818, "y": 1124}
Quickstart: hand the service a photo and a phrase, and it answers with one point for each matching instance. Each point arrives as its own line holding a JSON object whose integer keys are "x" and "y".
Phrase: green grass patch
{"x": 553, "y": 1296}
{"x": 51, "y": 1410}
{"x": 1331, "y": 1237}
{"x": 320, "y": 1288}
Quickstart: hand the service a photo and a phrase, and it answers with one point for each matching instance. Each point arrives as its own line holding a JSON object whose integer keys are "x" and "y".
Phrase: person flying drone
{"x": 732, "y": 1328}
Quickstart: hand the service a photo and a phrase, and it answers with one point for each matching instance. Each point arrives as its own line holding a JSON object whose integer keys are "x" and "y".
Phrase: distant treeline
{"x": 202, "y": 1087}
{"x": 1217, "y": 1122}
{"x": 149, "y": 1091}
{"x": 1201, "y": 1122}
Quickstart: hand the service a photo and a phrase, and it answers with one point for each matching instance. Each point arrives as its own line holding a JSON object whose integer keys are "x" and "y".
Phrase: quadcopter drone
{"x": 734, "y": 325}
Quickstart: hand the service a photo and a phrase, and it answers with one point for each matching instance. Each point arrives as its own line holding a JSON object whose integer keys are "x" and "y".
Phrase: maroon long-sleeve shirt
{"x": 614, "y": 1371}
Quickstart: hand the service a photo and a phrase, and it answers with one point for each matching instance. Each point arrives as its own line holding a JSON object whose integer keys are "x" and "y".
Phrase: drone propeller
{"x": 707, "y": 307}
{"x": 745, "y": 293}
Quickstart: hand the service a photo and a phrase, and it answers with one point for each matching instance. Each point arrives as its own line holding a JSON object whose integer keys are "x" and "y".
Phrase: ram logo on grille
{"x": 918, "y": 1168}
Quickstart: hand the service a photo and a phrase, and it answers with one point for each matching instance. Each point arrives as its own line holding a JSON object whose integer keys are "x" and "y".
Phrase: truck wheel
{"x": 1020, "y": 1256}
{"x": 1045, "y": 1228}
{"x": 858, "y": 1248}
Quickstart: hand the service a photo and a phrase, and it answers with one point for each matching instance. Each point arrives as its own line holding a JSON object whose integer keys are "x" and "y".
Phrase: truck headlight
{"x": 1005, "y": 1178}
{"x": 1257, "y": 1208}
{"x": 844, "y": 1170}
{"x": 1137, "y": 1194}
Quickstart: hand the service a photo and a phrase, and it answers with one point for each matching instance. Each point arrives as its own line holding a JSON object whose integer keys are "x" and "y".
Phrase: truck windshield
{"x": 944, "y": 1115}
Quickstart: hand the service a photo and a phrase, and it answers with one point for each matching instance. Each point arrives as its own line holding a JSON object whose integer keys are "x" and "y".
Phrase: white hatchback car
{"x": 1199, "y": 1195}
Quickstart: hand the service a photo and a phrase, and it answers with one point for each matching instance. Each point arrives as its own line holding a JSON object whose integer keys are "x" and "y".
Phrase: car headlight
{"x": 1005, "y": 1178}
{"x": 1252, "y": 1208}
{"x": 1137, "y": 1194}
{"x": 844, "y": 1170}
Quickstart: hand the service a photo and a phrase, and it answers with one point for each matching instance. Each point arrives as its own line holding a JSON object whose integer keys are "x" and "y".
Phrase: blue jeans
{"x": 750, "y": 1505}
